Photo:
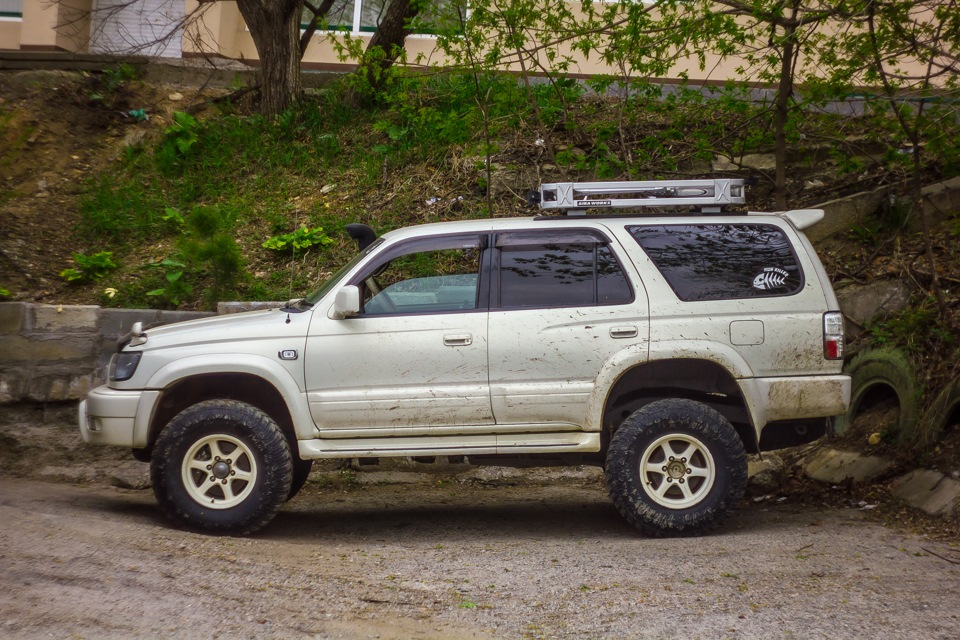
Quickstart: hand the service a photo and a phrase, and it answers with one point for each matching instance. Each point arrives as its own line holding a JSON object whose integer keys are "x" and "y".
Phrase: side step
{"x": 450, "y": 445}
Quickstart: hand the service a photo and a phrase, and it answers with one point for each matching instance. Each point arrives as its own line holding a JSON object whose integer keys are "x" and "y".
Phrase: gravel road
{"x": 483, "y": 555}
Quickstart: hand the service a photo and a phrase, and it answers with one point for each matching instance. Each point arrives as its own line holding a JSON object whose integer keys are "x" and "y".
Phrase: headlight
{"x": 123, "y": 365}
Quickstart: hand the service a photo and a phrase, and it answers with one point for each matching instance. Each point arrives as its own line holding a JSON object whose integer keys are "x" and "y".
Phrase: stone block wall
{"x": 939, "y": 201}
{"x": 59, "y": 352}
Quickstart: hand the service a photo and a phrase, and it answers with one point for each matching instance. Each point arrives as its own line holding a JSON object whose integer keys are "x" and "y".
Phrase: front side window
{"x": 559, "y": 270}
{"x": 437, "y": 275}
{"x": 722, "y": 261}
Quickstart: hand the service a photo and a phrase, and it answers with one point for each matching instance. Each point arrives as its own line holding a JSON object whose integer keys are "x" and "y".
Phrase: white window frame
{"x": 355, "y": 29}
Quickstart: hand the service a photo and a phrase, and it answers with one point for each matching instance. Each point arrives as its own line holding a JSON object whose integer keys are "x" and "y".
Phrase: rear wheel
{"x": 676, "y": 467}
{"x": 221, "y": 466}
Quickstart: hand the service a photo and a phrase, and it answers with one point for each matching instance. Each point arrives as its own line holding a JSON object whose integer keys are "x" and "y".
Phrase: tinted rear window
{"x": 722, "y": 261}
{"x": 562, "y": 269}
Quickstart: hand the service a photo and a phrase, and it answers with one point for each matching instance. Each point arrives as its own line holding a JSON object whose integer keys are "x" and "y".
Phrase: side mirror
{"x": 347, "y": 302}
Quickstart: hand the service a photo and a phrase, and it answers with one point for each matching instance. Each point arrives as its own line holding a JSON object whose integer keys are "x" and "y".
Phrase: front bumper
{"x": 109, "y": 417}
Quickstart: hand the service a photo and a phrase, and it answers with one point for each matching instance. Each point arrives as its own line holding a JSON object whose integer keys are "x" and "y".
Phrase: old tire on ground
{"x": 943, "y": 412}
{"x": 675, "y": 467}
{"x": 879, "y": 372}
{"x": 301, "y": 471}
{"x": 221, "y": 466}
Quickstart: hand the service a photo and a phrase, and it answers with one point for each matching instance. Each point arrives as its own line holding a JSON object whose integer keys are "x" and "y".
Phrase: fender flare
{"x": 889, "y": 367}
{"x": 254, "y": 365}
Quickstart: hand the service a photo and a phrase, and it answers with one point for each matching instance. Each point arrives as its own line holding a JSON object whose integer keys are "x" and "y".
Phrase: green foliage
{"x": 176, "y": 289}
{"x": 5, "y": 293}
{"x": 183, "y": 132}
{"x": 918, "y": 328}
{"x": 207, "y": 258}
{"x": 177, "y": 143}
{"x": 209, "y": 249}
{"x": 172, "y": 215}
{"x": 299, "y": 240}
{"x": 89, "y": 268}
{"x": 119, "y": 206}
{"x": 107, "y": 85}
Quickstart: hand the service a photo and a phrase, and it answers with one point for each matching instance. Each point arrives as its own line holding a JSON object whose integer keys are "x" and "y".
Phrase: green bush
{"x": 300, "y": 240}
{"x": 89, "y": 268}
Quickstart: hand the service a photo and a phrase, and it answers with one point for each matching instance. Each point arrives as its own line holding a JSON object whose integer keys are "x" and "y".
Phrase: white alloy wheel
{"x": 677, "y": 471}
{"x": 219, "y": 471}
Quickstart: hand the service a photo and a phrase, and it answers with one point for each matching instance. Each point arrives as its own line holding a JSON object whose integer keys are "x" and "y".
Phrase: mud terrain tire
{"x": 676, "y": 467}
{"x": 221, "y": 466}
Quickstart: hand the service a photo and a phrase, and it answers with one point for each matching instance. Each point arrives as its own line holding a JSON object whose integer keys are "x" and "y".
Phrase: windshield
{"x": 317, "y": 295}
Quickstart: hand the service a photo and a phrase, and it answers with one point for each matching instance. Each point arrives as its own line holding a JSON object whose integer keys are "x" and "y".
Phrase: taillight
{"x": 833, "y": 335}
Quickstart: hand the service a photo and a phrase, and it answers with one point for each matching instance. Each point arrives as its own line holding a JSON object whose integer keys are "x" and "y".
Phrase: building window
{"x": 364, "y": 16}
{"x": 11, "y": 8}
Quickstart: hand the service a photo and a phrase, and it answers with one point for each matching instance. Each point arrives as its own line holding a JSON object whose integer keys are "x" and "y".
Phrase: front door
{"x": 415, "y": 358}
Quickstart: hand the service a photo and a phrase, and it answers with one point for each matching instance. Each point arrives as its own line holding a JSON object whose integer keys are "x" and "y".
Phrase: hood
{"x": 235, "y": 327}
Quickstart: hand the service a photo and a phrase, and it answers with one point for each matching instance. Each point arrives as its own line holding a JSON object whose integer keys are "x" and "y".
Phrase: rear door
{"x": 561, "y": 305}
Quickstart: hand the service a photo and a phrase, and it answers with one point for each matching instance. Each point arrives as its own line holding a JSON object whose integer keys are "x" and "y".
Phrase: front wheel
{"x": 676, "y": 467}
{"x": 221, "y": 466}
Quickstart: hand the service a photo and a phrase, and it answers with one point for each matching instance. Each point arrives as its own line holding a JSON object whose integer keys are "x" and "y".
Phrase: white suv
{"x": 663, "y": 347}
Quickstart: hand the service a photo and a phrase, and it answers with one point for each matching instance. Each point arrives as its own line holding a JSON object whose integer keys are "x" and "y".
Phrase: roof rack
{"x": 710, "y": 195}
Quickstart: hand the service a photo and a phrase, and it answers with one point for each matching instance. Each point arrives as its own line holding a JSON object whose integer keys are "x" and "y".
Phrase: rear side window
{"x": 722, "y": 261}
{"x": 559, "y": 270}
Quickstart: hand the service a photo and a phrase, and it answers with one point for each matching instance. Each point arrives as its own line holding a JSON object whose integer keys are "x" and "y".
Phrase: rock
{"x": 130, "y": 475}
{"x": 929, "y": 490}
{"x": 813, "y": 184}
{"x": 490, "y": 474}
{"x": 766, "y": 476}
{"x": 830, "y": 465}
{"x": 134, "y": 137}
{"x": 861, "y": 303}
{"x": 175, "y": 97}
{"x": 760, "y": 161}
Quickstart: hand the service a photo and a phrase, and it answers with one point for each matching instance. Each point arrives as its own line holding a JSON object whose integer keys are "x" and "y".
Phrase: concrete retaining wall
{"x": 842, "y": 214}
{"x": 54, "y": 353}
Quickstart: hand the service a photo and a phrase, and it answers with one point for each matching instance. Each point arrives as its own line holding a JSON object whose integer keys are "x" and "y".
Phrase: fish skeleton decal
{"x": 771, "y": 278}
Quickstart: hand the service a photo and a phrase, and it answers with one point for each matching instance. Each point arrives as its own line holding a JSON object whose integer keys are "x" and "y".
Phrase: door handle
{"x": 623, "y": 332}
{"x": 464, "y": 340}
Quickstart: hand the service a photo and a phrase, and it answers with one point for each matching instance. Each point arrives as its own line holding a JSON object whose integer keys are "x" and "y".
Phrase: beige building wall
{"x": 10, "y": 33}
{"x": 220, "y": 30}
{"x": 39, "y": 28}
{"x": 73, "y": 24}
{"x": 49, "y": 25}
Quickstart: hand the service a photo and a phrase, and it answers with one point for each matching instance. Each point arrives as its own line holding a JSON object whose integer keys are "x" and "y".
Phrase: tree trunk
{"x": 275, "y": 28}
{"x": 782, "y": 112}
{"x": 384, "y": 47}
